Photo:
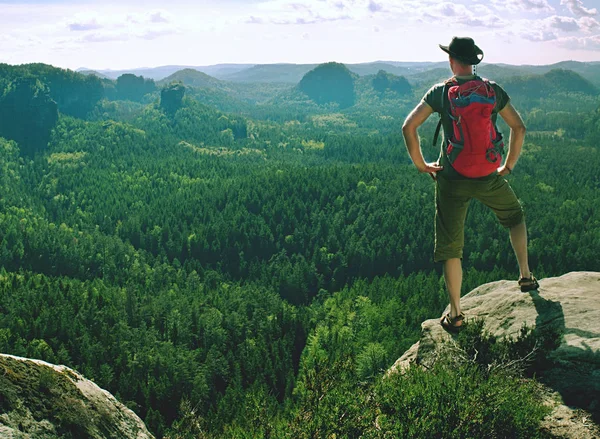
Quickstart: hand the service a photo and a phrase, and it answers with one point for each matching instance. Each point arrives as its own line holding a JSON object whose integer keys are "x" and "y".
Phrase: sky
{"x": 126, "y": 34}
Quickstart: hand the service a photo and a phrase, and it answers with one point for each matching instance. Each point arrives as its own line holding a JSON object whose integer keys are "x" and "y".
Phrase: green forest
{"x": 246, "y": 260}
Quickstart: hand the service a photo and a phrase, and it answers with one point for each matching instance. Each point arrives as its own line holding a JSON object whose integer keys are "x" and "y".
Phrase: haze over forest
{"x": 243, "y": 250}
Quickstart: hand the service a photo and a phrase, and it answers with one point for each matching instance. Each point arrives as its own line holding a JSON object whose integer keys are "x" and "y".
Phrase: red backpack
{"x": 474, "y": 147}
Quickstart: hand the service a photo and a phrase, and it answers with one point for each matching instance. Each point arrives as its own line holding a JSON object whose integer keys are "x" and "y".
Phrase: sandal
{"x": 450, "y": 323}
{"x": 528, "y": 283}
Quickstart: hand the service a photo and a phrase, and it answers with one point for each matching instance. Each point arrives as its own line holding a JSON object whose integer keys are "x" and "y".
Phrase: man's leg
{"x": 453, "y": 276}
{"x": 500, "y": 197}
{"x": 452, "y": 202}
{"x": 518, "y": 239}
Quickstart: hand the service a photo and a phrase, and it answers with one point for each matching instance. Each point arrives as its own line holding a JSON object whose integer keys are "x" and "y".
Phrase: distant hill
{"x": 376, "y": 67}
{"x": 290, "y": 73}
{"x": 192, "y": 78}
{"x": 385, "y": 81}
{"x": 588, "y": 70}
{"x": 93, "y": 72}
{"x": 293, "y": 73}
{"x": 76, "y": 94}
{"x": 330, "y": 82}
{"x": 415, "y": 72}
{"x": 556, "y": 80}
{"x": 158, "y": 73}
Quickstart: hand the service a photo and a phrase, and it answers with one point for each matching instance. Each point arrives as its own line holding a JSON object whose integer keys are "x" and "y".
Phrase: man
{"x": 454, "y": 190}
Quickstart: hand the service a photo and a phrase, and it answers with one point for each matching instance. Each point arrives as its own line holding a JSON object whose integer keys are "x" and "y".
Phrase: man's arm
{"x": 517, "y": 135}
{"x": 411, "y": 138}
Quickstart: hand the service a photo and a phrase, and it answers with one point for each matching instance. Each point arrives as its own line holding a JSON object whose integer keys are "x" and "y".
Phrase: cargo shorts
{"x": 452, "y": 198}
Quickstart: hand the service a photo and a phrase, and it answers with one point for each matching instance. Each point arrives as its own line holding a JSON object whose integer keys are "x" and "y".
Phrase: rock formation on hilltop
{"x": 27, "y": 114}
{"x": 566, "y": 307}
{"x": 171, "y": 97}
{"x": 330, "y": 82}
{"x": 42, "y": 400}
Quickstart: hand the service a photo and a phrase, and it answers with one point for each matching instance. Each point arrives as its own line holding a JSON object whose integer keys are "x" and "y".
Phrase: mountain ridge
{"x": 293, "y": 73}
{"x": 563, "y": 312}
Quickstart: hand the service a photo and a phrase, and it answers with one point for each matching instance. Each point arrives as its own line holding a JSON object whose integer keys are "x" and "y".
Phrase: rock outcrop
{"x": 43, "y": 401}
{"x": 567, "y": 306}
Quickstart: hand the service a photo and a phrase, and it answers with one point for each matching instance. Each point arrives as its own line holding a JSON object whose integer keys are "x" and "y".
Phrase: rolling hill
{"x": 192, "y": 78}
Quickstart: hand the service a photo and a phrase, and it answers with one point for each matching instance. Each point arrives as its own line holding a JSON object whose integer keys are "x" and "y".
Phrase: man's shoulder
{"x": 493, "y": 83}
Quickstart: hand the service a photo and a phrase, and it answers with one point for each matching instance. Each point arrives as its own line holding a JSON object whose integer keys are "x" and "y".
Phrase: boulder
{"x": 46, "y": 401}
{"x": 567, "y": 306}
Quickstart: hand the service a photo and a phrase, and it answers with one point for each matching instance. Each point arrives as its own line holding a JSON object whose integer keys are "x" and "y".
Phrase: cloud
{"x": 456, "y": 13}
{"x": 566, "y": 24}
{"x": 589, "y": 24}
{"x": 375, "y": 7}
{"x": 84, "y": 25}
{"x": 104, "y": 37}
{"x": 147, "y": 25}
{"x": 552, "y": 28}
{"x": 577, "y": 8}
{"x": 538, "y": 6}
{"x": 585, "y": 43}
{"x": 159, "y": 17}
{"x": 322, "y": 11}
{"x": 539, "y": 35}
{"x": 570, "y": 24}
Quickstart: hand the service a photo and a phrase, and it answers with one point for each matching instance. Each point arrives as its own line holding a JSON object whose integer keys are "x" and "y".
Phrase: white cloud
{"x": 554, "y": 27}
{"x": 585, "y": 43}
{"x": 539, "y": 35}
{"x": 567, "y": 24}
{"x": 322, "y": 11}
{"x": 537, "y": 6}
{"x": 589, "y": 24}
{"x": 159, "y": 17}
{"x": 98, "y": 28}
{"x": 577, "y": 8}
{"x": 456, "y": 13}
{"x": 375, "y": 7}
{"x": 84, "y": 25}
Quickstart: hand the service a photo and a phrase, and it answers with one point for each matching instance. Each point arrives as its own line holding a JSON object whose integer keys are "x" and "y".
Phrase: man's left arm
{"x": 517, "y": 135}
{"x": 411, "y": 138}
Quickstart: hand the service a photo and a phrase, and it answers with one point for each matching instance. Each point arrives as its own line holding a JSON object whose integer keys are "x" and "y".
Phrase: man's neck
{"x": 464, "y": 72}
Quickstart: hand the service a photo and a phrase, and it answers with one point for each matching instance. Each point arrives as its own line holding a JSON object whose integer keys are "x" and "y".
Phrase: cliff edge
{"x": 43, "y": 401}
{"x": 568, "y": 307}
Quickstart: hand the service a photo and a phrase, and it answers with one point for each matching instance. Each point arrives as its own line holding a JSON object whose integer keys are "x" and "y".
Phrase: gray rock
{"x": 568, "y": 306}
{"x": 43, "y": 401}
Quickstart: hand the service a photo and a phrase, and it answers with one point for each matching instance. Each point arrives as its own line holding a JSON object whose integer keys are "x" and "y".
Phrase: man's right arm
{"x": 517, "y": 136}
{"x": 411, "y": 138}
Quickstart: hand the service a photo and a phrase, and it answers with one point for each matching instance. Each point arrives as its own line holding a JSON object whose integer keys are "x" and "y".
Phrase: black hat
{"x": 464, "y": 50}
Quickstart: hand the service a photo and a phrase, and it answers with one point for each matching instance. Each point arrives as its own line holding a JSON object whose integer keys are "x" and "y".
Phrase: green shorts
{"x": 452, "y": 198}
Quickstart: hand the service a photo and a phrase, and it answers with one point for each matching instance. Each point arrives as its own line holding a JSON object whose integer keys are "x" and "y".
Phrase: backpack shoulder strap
{"x": 447, "y": 84}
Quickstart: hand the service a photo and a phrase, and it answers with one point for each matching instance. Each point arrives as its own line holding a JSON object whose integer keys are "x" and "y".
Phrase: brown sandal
{"x": 450, "y": 323}
{"x": 528, "y": 283}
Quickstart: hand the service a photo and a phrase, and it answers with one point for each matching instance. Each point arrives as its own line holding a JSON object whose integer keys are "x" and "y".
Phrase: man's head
{"x": 464, "y": 51}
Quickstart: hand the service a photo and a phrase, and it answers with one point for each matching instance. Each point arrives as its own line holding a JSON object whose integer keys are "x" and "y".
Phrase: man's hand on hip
{"x": 430, "y": 168}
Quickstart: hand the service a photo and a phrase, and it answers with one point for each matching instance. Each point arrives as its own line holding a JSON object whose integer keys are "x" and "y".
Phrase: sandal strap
{"x": 528, "y": 280}
{"x": 456, "y": 319}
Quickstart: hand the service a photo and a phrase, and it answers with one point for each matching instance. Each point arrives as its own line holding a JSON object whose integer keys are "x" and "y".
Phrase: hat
{"x": 464, "y": 50}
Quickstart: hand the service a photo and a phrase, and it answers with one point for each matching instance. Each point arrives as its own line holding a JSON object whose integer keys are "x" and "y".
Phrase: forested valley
{"x": 240, "y": 260}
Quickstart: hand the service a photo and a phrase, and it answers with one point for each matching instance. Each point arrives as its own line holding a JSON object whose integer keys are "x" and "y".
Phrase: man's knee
{"x": 512, "y": 220}
{"x": 443, "y": 253}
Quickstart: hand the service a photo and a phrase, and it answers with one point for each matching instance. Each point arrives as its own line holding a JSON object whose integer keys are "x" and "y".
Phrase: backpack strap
{"x": 444, "y": 99}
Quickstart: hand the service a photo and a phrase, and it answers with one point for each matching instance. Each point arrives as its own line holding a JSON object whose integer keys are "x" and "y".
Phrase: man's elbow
{"x": 519, "y": 129}
{"x": 407, "y": 127}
